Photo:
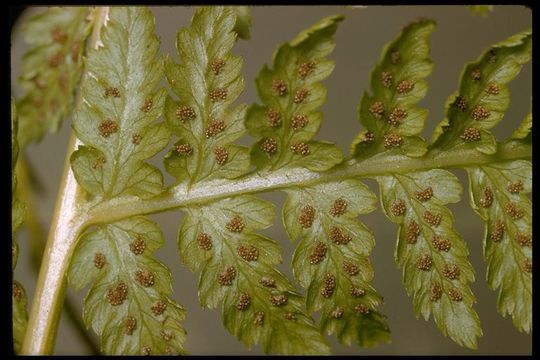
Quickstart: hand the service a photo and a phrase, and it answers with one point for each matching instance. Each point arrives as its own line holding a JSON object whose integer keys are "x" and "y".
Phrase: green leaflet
{"x": 19, "y": 313}
{"x": 480, "y": 10}
{"x": 433, "y": 255}
{"x": 243, "y": 21}
{"x": 482, "y": 97}
{"x": 524, "y": 131}
{"x": 291, "y": 93}
{"x": 51, "y": 69}
{"x": 128, "y": 304}
{"x": 393, "y": 121}
{"x": 498, "y": 194}
{"x": 207, "y": 80}
{"x": 332, "y": 261}
{"x": 238, "y": 267}
{"x": 115, "y": 119}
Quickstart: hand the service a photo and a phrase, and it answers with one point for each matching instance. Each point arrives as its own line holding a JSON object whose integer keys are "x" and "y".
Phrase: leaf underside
{"x": 51, "y": 69}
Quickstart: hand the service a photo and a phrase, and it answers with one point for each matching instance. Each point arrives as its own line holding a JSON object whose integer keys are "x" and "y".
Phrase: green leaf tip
{"x": 332, "y": 259}
{"x": 393, "y": 121}
{"x": 116, "y": 119}
{"x": 483, "y": 96}
{"x": 51, "y": 69}
{"x": 292, "y": 94}
{"x": 238, "y": 268}
{"x": 207, "y": 81}
{"x": 243, "y": 21}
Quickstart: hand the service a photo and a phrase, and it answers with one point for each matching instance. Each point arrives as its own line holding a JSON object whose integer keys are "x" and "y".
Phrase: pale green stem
{"x": 68, "y": 221}
{"x": 180, "y": 195}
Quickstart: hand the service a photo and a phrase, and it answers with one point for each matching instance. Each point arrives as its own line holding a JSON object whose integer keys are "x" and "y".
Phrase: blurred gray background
{"x": 459, "y": 38}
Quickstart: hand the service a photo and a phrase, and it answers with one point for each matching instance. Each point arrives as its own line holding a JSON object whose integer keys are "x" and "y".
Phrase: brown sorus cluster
{"x": 269, "y": 146}
{"x": 183, "y": 149}
{"x": 267, "y": 282}
{"x": 247, "y": 252}
{"x": 300, "y": 148}
{"x": 514, "y": 210}
{"x": 436, "y": 291}
{"x": 147, "y": 105}
{"x": 398, "y": 208}
{"x": 243, "y": 301}
{"x": 524, "y": 240}
{"x": 136, "y": 139}
{"x": 424, "y": 195}
{"x": 404, "y": 86}
{"x": 307, "y": 214}
{"x": 396, "y": 116}
{"x": 527, "y": 265}
{"x": 350, "y": 268}
{"x": 158, "y": 307}
{"x": 412, "y": 232}
{"x": 117, "y": 294}
{"x": 75, "y": 51}
{"x": 56, "y": 59}
{"x": 337, "y": 313}
{"x": 279, "y": 87}
{"x": 338, "y": 236}
{"x": 395, "y": 56}
{"x": 515, "y": 187}
{"x": 386, "y": 78}
{"x": 356, "y": 291}
{"x": 479, "y": 112}
{"x": 226, "y": 277}
{"x": 99, "y": 260}
{"x": 204, "y": 241}
{"x": 432, "y": 219}
{"x": 455, "y": 295}
{"x": 278, "y": 300}
{"x": 392, "y": 141}
{"x": 273, "y": 117}
{"x": 17, "y": 291}
{"x": 305, "y": 69}
{"x": 300, "y": 95}
{"x": 145, "y": 350}
{"x": 145, "y": 278}
{"x": 369, "y": 137}
{"x": 138, "y": 245}
{"x": 107, "y": 127}
{"x": 425, "y": 262}
{"x": 215, "y": 127}
{"x": 471, "y": 134}
{"x": 498, "y": 231}
{"x": 318, "y": 253}
{"x": 377, "y": 109}
{"x": 259, "y": 318}
{"x": 58, "y": 35}
{"x": 218, "y": 94}
{"x": 166, "y": 334}
{"x": 329, "y": 284}
{"x": 487, "y": 199}
{"x": 290, "y": 316}
{"x": 460, "y": 102}
{"x": 339, "y": 207}
{"x": 476, "y": 74}
{"x": 299, "y": 121}
{"x": 221, "y": 154}
{"x": 451, "y": 271}
{"x": 362, "y": 309}
{"x": 236, "y": 224}
{"x": 440, "y": 243}
{"x": 493, "y": 88}
{"x": 130, "y": 324}
{"x": 112, "y": 91}
{"x": 185, "y": 112}
{"x": 217, "y": 65}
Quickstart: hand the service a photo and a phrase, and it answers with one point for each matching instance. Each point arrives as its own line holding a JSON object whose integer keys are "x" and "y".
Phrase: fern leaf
{"x": 480, "y": 10}
{"x": 51, "y": 69}
{"x": 291, "y": 93}
{"x": 116, "y": 118}
{"x": 332, "y": 259}
{"x": 129, "y": 302}
{"x": 524, "y": 131}
{"x": 483, "y": 96}
{"x": 19, "y": 312}
{"x": 238, "y": 267}
{"x": 393, "y": 121}
{"x": 207, "y": 80}
{"x": 436, "y": 271}
{"x": 243, "y": 21}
